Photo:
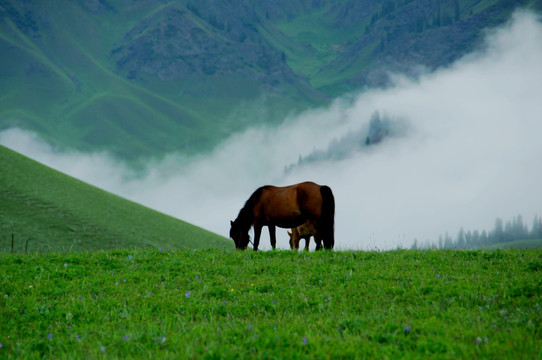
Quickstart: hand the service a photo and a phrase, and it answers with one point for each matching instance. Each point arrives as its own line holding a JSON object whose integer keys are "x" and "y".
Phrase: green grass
{"x": 280, "y": 304}
{"x": 55, "y": 212}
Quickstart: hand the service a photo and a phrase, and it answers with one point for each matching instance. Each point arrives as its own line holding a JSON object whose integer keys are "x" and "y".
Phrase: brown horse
{"x": 286, "y": 207}
{"x": 304, "y": 231}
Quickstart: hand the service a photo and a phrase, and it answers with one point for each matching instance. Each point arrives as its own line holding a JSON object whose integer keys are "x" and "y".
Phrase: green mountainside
{"x": 147, "y": 77}
{"x": 55, "y": 212}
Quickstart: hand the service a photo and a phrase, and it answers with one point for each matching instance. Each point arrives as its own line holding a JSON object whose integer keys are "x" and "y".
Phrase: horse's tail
{"x": 328, "y": 217}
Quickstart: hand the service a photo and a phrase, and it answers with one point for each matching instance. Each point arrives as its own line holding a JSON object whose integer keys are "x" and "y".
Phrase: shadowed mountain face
{"x": 144, "y": 78}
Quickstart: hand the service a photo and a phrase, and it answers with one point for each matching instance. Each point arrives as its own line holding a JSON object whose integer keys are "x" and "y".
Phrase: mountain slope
{"x": 147, "y": 77}
{"x": 58, "y": 213}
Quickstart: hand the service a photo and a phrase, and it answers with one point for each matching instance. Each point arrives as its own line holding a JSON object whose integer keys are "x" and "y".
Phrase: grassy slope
{"x": 57, "y": 212}
{"x": 61, "y": 81}
{"x": 73, "y": 66}
{"x": 280, "y": 304}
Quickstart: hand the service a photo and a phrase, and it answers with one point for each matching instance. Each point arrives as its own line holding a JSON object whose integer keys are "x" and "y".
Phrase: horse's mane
{"x": 246, "y": 214}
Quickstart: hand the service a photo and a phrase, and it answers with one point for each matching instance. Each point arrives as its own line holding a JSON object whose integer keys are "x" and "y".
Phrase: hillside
{"x": 55, "y": 212}
{"x": 148, "y": 77}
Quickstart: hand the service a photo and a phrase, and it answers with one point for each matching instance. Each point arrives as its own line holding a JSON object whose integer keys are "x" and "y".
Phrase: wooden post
{"x": 12, "y": 235}
{"x": 26, "y": 246}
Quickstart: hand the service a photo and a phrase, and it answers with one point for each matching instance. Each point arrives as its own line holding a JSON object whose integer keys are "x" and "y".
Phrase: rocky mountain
{"x": 144, "y": 77}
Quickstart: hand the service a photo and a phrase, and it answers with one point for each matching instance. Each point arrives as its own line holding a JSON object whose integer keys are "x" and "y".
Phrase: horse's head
{"x": 239, "y": 235}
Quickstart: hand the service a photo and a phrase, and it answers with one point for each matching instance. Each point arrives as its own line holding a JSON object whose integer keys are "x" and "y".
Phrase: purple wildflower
{"x": 50, "y": 336}
{"x": 408, "y": 328}
{"x": 305, "y": 341}
{"x": 187, "y": 294}
{"x": 102, "y": 349}
{"x": 159, "y": 249}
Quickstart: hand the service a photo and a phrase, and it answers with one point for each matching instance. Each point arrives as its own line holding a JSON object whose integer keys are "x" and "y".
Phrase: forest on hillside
{"x": 502, "y": 232}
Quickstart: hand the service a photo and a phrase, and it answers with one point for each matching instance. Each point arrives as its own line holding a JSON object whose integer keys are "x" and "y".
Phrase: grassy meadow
{"x": 278, "y": 304}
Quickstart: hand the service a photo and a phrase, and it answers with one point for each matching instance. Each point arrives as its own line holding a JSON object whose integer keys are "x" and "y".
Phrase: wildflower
{"x": 187, "y": 294}
{"x": 102, "y": 349}
{"x": 65, "y": 265}
{"x": 125, "y": 338}
{"x": 50, "y": 336}
{"x": 438, "y": 276}
{"x": 408, "y": 328}
{"x": 274, "y": 301}
{"x": 150, "y": 293}
{"x": 159, "y": 249}
{"x": 305, "y": 341}
{"x": 478, "y": 340}
{"x": 124, "y": 280}
{"x": 116, "y": 283}
{"x": 129, "y": 257}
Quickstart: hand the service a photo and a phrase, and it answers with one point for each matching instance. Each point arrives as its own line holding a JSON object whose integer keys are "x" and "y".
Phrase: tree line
{"x": 502, "y": 232}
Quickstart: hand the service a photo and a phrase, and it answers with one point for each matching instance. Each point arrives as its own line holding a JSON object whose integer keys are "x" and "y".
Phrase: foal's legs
{"x": 272, "y": 236}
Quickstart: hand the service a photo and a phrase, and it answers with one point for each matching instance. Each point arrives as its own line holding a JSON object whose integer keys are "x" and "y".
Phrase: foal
{"x": 304, "y": 231}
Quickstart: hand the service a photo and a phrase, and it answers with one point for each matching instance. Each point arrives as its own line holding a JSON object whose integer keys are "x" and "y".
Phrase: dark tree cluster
{"x": 502, "y": 233}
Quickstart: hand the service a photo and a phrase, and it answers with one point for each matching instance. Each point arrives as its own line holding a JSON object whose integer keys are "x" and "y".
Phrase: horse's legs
{"x": 257, "y": 233}
{"x": 307, "y": 240}
{"x": 318, "y": 241}
{"x": 272, "y": 236}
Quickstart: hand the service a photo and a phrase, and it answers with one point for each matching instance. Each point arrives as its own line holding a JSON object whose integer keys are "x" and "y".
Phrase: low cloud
{"x": 470, "y": 153}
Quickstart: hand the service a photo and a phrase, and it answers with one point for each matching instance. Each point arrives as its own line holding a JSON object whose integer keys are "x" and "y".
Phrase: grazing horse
{"x": 304, "y": 231}
{"x": 286, "y": 207}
